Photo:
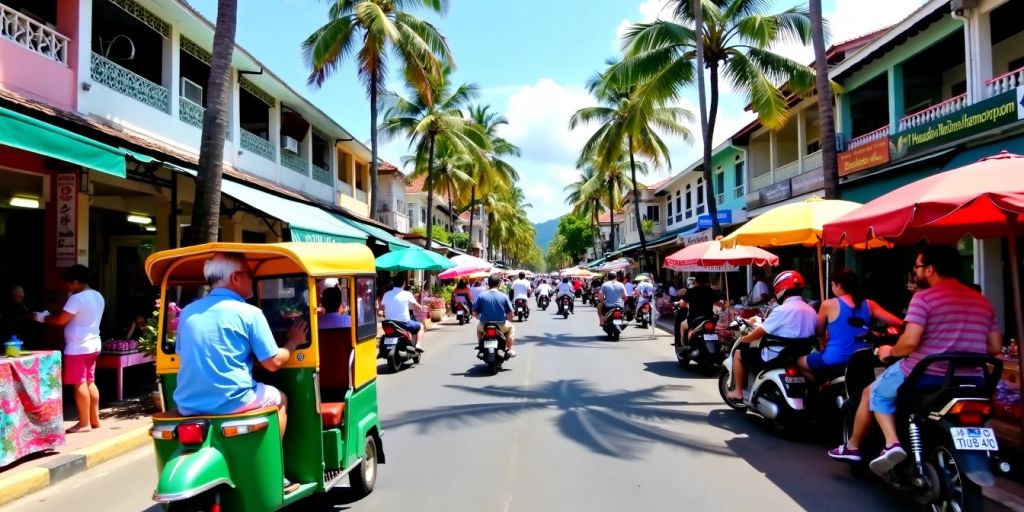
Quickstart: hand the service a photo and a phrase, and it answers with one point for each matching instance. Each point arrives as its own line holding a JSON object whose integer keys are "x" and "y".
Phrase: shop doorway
{"x": 130, "y": 292}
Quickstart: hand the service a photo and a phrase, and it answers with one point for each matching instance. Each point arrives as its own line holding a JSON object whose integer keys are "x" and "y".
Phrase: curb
{"x": 67, "y": 465}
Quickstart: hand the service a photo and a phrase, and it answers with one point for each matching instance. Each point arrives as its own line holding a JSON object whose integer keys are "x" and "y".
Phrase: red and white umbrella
{"x": 707, "y": 256}
{"x": 465, "y": 265}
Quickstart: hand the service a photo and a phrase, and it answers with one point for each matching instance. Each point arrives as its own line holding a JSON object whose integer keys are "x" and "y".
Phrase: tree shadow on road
{"x": 565, "y": 341}
{"x": 670, "y": 368}
{"x": 618, "y": 424}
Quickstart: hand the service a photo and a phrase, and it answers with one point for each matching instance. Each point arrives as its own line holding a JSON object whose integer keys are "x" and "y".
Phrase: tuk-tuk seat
{"x": 335, "y": 353}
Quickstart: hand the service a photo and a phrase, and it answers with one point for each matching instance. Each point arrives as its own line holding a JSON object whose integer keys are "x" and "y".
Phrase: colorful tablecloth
{"x": 32, "y": 418}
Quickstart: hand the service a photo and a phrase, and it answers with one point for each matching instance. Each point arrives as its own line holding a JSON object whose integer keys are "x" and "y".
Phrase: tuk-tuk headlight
{"x": 242, "y": 427}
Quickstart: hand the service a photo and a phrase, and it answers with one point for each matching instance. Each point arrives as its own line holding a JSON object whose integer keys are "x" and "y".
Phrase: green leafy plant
{"x": 647, "y": 225}
{"x": 440, "y": 234}
{"x": 460, "y": 240}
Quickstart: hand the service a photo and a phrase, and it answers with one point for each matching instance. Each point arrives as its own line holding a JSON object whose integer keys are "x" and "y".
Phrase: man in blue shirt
{"x": 218, "y": 338}
{"x": 494, "y": 306}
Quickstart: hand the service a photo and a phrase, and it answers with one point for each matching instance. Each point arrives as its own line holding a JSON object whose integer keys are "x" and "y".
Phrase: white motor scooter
{"x": 777, "y": 392}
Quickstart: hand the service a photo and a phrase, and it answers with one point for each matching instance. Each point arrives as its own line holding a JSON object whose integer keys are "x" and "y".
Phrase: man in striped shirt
{"x": 943, "y": 316}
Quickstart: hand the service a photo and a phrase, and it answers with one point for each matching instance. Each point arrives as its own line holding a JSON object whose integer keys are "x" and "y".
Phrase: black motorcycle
{"x": 461, "y": 310}
{"x": 703, "y": 345}
{"x": 491, "y": 349}
{"x": 564, "y": 303}
{"x": 587, "y": 295}
{"x": 543, "y": 301}
{"x": 630, "y": 308}
{"x": 397, "y": 346}
{"x": 521, "y": 309}
{"x": 950, "y": 452}
{"x": 614, "y": 322}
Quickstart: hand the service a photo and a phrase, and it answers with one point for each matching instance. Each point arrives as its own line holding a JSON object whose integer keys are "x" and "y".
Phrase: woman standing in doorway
{"x": 81, "y": 321}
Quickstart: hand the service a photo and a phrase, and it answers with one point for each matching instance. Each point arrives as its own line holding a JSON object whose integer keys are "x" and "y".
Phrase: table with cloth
{"x": 32, "y": 418}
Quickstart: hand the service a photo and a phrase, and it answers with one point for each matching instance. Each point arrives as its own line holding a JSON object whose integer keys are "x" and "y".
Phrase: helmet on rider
{"x": 788, "y": 281}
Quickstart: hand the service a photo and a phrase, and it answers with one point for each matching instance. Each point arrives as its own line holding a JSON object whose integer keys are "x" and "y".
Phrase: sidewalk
{"x": 125, "y": 426}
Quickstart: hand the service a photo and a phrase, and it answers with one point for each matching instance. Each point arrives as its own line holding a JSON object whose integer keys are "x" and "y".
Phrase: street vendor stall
{"x": 31, "y": 408}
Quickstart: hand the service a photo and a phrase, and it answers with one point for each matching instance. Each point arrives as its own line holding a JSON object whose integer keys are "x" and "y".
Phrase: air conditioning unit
{"x": 191, "y": 91}
{"x": 290, "y": 144}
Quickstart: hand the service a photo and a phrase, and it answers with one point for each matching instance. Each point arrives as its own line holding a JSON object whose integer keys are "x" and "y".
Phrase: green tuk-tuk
{"x": 237, "y": 462}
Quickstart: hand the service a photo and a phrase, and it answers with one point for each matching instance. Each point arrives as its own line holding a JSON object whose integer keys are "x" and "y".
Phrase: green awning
{"x": 30, "y": 134}
{"x": 393, "y": 242}
{"x": 306, "y": 222}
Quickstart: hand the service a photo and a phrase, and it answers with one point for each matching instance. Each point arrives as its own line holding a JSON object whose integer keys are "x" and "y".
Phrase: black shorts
{"x": 752, "y": 359}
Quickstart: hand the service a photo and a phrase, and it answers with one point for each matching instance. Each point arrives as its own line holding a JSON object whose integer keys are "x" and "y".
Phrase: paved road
{"x": 574, "y": 423}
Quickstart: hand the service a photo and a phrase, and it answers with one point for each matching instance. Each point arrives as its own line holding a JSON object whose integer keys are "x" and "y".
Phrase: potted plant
{"x": 148, "y": 341}
{"x": 437, "y": 307}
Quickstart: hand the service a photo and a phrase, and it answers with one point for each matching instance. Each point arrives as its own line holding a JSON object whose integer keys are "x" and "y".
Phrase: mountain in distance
{"x": 546, "y": 232}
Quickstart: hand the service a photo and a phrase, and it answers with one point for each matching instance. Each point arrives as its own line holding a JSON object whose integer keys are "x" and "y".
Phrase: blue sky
{"x": 530, "y": 59}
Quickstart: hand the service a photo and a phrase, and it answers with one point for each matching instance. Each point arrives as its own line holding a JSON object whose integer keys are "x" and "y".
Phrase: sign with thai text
{"x": 67, "y": 206}
{"x": 869, "y": 155}
{"x": 999, "y": 110}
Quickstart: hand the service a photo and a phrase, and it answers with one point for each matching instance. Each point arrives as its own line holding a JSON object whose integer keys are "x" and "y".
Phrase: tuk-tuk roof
{"x": 315, "y": 259}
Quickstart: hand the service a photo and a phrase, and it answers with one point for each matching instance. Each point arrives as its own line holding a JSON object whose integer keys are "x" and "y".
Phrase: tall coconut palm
{"x": 206, "y": 204}
{"x": 380, "y": 27}
{"x": 826, "y": 110}
{"x": 449, "y": 175}
{"x": 587, "y": 201}
{"x": 499, "y": 174}
{"x": 613, "y": 180}
{"x": 737, "y": 37}
{"x": 628, "y": 116}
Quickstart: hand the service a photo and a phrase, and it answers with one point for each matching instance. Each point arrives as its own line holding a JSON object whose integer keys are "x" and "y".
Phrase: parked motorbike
{"x": 614, "y": 323}
{"x": 703, "y": 345}
{"x": 461, "y": 310}
{"x": 564, "y": 302}
{"x": 522, "y": 310}
{"x": 630, "y": 308}
{"x": 542, "y": 302}
{"x": 950, "y": 452}
{"x": 778, "y": 391}
{"x": 491, "y": 349}
{"x": 644, "y": 315}
{"x": 397, "y": 346}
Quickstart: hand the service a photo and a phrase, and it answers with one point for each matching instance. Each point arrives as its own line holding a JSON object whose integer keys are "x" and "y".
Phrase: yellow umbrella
{"x": 794, "y": 224}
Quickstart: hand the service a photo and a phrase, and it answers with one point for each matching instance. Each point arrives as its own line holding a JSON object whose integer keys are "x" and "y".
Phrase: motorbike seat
{"x": 966, "y": 375}
{"x": 397, "y": 327}
{"x": 497, "y": 329}
{"x": 332, "y": 414}
{"x": 831, "y": 373}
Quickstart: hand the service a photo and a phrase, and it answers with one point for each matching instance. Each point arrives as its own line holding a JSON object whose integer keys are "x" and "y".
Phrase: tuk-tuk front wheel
{"x": 364, "y": 477}
{"x": 205, "y": 502}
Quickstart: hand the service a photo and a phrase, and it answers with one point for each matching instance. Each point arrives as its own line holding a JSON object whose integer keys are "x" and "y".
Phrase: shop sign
{"x": 724, "y": 218}
{"x": 696, "y": 238}
{"x": 775, "y": 193}
{"x": 999, "y": 110}
{"x": 869, "y": 155}
{"x": 807, "y": 182}
{"x": 67, "y": 190}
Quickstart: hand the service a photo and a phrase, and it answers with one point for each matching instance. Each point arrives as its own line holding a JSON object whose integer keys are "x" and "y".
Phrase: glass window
{"x": 689, "y": 201}
{"x": 653, "y": 213}
{"x": 701, "y": 199}
{"x": 366, "y": 308}
{"x": 283, "y": 301}
{"x": 333, "y": 308}
{"x": 738, "y": 180}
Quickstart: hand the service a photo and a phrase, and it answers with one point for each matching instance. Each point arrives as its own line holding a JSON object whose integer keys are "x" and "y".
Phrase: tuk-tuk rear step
{"x": 332, "y": 476}
{"x": 303, "y": 491}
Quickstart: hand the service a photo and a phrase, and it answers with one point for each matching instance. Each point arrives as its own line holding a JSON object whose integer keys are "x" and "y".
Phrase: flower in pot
{"x": 437, "y": 309}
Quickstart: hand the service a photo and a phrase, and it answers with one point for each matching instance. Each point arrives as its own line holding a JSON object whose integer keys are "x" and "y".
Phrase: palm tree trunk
{"x": 611, "y": 213}
{"x": 206, "y": 209}
{"x": 451, "y": 212}
{"x": 472, "y": 202}
{"x": 373, "y": 145}
{"x": 636, "y": 206}
{"x": 490, "y": 239}
{"x": 709, "y": 184}
{"x": 826, "y": 111}
{"x": 430, "y": 206}
{"x": 597, "y": 231}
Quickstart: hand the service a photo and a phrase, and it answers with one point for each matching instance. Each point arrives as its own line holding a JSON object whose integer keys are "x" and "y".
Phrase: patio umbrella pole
{"x": 1011, "y": 220}
{"x": 821, "y": 274}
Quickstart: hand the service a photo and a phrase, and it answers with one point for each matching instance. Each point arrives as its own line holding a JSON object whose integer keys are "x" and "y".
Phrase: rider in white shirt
{"x": 521, "y": 289}
{"x": 543, "y": 289}
{"x": 629, "y": 288}
{"x": 565, "y": 288}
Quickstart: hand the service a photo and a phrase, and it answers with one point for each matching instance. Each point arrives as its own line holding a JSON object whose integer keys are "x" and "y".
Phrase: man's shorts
{"x": 752, "y": 359}
{"x": 885, "y": 388}
{"x": 266, "y": 396}
{"x": 80, "y": 368}
{"x": 413, "y": 326}
{"x": 506, "y": 328}
{"x": 817, "y": 363}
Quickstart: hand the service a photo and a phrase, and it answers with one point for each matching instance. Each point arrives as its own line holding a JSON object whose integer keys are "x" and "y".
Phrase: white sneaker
{"x": 510, "y": 353}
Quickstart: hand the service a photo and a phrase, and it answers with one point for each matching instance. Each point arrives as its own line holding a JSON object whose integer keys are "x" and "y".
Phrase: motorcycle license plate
{"x": 490, "y": 343}
{"x": 460, "y": 313}
{"x": 710, "y": 337}
{"x": 390, "y": 342}
{"x": 617, "y": 322}
{"x": 794, "y": 380}
{"x": 974, "y": 438}
{"x": 519, "y": 310}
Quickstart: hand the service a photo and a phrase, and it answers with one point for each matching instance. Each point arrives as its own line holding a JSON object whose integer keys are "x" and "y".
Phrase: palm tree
{"x": 449, "y": 171}
{"x": 826, "y": 112}
{"x": 509, "y": 229}
{"x": 206, "y": 205}
{"x": 499, "y": 174}
{"x": 737, "y": 35}
{"x": 611, "y": 179}
{"x": 628, "y": 116}
{"x": 587, "y": 201}
{"x": 380, "y": 26}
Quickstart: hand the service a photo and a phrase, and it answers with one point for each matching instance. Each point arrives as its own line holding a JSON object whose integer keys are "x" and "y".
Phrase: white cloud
{"x": 853, "y": 18}
{"x": 538, "y": 121}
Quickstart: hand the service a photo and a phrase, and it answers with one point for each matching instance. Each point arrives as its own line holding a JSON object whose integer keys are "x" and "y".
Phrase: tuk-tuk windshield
{"x": 284, "y": 300}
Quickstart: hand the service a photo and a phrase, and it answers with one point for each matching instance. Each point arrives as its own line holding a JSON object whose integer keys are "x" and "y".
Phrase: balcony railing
{"x": 881, "y": 133}
{"x": 321, "y": 175}
{"x": 397, "y": 221}
{"x": 360, "y": 196}
{"x": 787, "y": 171}
{"x": 128, "y": 83}
{"x": 761, "y": 181}
{"x": 190, "y": 113}
{"x": 256, "y": 144}
{"x": 813, "y": 161}
{"x": 1005, "y": 82}
{"x": 737, "y": 192}
{"x": 32, "y": 35}
{"x": 295, "y": 162}
{"x": 932, "y": 113}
